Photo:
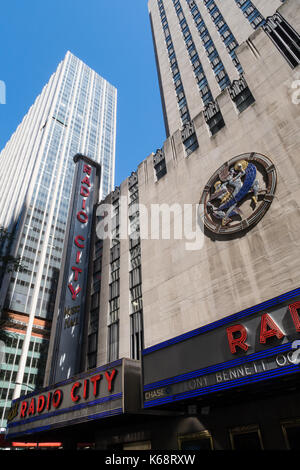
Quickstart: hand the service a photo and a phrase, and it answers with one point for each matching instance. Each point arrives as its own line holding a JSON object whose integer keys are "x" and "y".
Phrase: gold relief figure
{"x": 233, "y": 186}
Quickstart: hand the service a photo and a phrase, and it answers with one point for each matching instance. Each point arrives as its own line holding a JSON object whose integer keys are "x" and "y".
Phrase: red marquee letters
{"x": 268, "y": 328}
{"x": 109, "y": 378}
{"x": 31, "y": 409}
{"x": 57, "y": 398}
{"x": 237, "y": 334}
{"x": 295, "y": 316}
{"x": 239, "y": 341}
{"x": 79, "y": 390}
{"x": 73, "y": 396}
{"x": 23, "y": 409}
{"x": 41, "y": 404}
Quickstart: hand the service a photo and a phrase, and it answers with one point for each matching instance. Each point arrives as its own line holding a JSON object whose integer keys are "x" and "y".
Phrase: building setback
{"x": 76, "y": 112}
{"x": 196, "y": 50}
{"x": 209, "y": 311}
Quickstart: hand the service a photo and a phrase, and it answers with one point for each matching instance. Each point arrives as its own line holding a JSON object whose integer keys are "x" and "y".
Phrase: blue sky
{"x": 112, "y": 37}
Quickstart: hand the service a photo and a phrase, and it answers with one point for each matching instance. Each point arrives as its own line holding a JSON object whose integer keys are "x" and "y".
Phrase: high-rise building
{"x": 192, "y": 326}
{"x": 196, "y": 44}
{"x": 75, "y": 113}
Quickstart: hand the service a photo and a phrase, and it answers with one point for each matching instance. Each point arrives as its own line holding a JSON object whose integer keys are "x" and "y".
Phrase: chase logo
{"x": 2, "y": 92}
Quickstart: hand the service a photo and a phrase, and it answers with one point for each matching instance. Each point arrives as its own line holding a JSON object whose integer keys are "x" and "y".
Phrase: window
{"x": 136, "y": 335}
{"x": 244, "y": 100}
{"x": 159, "y": 164}
{"x": 183, "y": 109}
{"x": 213, "y": 118}
{"x": 92, "y": 360}
{"x": 251, "y": 13}
{"x": 191, "y": 144}
{"x": 92, "y": 350}
{"x": 114, "y": 289}
{"x": 115, "y": 253}
{"x": 180, "y": 16}
{"x": 135, "y": 277}
{"x": 246, "y": 438}
{"x": 216, "y": 62}
{"x": 216, "y": 123}
{"x": 220, "y": 23}
{"x": 249, "y": 10}
{"x": 197, "y": 441}
{"x": 204, "y": 90}
{"x": 161, "y": 169}
{"x": 95, "y": 300}
{"x": 113, "y": 342}
{"x": 241, "y": 94}
{"x": 221, "y": 75}
{"x": 286, "y": 39}
{"x": 231, "y": 46}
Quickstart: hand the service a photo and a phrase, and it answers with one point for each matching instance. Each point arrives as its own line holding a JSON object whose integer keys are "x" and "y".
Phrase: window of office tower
{"x": 250, "y": 12}
{"x": 285, "y": 38}
{"x": 208, "y": 44}
{"x": 114, "y": 286}
{"x": 224, "y": 31}
{"x": 179, "y": 90}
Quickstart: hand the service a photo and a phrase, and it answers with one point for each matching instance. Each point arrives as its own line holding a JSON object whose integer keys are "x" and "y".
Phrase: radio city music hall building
{"x": 172, "y": 342}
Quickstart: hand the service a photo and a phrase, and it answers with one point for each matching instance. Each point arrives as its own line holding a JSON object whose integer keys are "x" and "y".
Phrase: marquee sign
{"x": 96, "y": 394}
{"x": 238, "y": 194}
{"x": 257, "y": 344}
{"x": 70, "y": 307}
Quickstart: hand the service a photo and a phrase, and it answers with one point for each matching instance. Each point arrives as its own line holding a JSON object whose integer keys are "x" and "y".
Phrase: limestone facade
{"x": 182, "y": 289}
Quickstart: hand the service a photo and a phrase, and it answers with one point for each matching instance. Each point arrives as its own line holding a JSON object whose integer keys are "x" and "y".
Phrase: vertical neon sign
{"x": 69, "y": 312}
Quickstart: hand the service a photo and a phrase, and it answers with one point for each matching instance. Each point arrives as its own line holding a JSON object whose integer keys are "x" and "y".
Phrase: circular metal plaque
{"x": 238, "y": 194}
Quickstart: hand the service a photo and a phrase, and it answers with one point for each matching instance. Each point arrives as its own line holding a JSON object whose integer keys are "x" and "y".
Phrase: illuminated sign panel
{"x": 92, "y": 395}
{"x": 70, "y": 307}
{"x": 257, "y": 344}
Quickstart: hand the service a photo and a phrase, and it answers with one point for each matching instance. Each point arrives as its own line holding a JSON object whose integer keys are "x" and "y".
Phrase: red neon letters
{"x": 239, "y": 341}
{"x": 80, "y": 390}
{"x": 79, "y": 245}
{"x": 74, "y": 397}
{"x": 294, "y": 313}
{"x": 268, "y": 329}
{"x": 109, "y": 378}
{"x": 82, "y": 217}
{"x": 74, "y": 292}
{"x": 237, "y": 334}
{"x": 54, "y": 400}
{"x": 41, "y": 404}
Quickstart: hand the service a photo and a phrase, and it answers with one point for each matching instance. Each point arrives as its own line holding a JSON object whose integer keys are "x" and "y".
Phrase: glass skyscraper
{"x": 75, "y": 113}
